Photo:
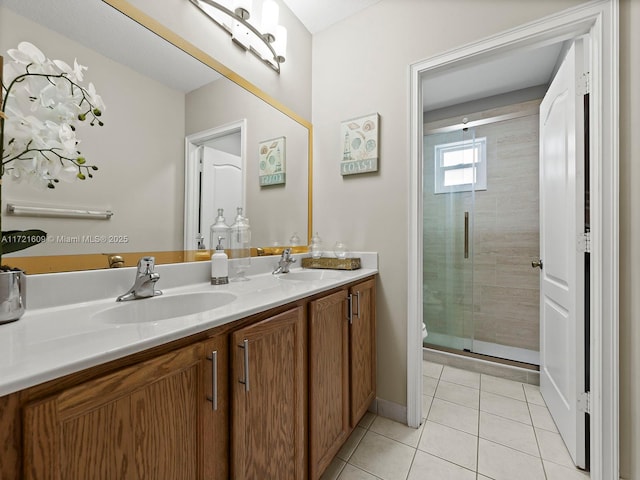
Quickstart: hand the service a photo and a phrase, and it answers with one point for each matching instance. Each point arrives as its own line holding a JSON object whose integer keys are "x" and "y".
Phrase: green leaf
{"x": 16, "y": 240}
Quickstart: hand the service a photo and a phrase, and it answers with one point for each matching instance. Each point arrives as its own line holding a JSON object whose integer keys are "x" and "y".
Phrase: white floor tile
{"x": 502, "y": 386}
{"x": 383, "y": 457}
{"x": 426, "y": 405}
{"x": 558, "y": 472}
{"x": 353, "y": 473}
{"x": 461, "y": 377}
{"x": 532, "y": 392}
{"x": 542, "y": 418}
{"x": 351, "y": 444}
{"x": 503, "y": 463}
{"x": 505, "y": 407}
{"x": 427, "y": 466}
{"x": 396, "y": 431}
{"x": 452, "y": 392}
{"x": 552, "y": 448}
{"x": 429, "y": 385}
{"x": 450, "y": 444}
{"x": 454, "y": 416}
{"x": 431, "y": 369}
{"x": 508, "y": 433}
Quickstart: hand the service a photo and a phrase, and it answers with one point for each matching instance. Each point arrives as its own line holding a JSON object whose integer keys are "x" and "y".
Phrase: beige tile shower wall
{"x": 504, "y": 237}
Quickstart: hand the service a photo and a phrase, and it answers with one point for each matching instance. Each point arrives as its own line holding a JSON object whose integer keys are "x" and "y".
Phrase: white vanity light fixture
{"x": 252, "y": 26}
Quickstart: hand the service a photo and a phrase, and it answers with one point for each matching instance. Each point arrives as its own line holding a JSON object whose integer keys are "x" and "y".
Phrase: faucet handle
{"x": 146, "y": 265}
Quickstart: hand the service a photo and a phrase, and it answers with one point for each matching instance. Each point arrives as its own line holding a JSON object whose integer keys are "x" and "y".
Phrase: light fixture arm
{"x": 268, "y": 56}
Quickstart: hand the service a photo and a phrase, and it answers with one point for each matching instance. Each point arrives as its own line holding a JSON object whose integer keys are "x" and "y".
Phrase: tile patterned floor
{"x": 477, "y": 427}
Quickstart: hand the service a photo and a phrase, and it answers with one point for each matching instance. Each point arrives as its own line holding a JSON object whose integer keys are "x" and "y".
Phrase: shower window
{"x": 461, "y": 166}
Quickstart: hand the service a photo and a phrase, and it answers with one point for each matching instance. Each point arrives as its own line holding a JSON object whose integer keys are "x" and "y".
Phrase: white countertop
{"x": 56, "y": 340}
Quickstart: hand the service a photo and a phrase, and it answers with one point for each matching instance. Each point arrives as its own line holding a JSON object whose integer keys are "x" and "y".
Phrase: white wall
{"x": 139, "y": 152}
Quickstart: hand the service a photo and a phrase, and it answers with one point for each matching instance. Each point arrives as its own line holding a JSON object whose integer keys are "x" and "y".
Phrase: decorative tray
{"x": 331, "y": 263}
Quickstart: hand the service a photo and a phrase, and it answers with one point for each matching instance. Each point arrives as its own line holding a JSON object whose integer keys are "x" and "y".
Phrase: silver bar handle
{"x": 466, "y": 234}
{"x": 358, "y": 303}
{"x": 245, "y": 382}
{"x": 350, "y": 308}
{"x": 214, "y": 380}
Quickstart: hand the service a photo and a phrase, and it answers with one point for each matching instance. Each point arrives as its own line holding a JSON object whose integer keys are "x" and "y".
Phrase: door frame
{"x": 191, "y": 172}
{"x": 598, "y": 19}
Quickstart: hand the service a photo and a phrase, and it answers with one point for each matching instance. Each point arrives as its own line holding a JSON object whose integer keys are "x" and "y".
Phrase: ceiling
{"x": 317, "y": 15}
{"x": 99, "y": 26}
{"x": 489, "y": 77}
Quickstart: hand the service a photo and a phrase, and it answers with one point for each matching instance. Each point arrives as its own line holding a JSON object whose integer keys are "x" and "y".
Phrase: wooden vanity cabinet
{"x": 268, "y": 432}
{"x": 362, "y": 349}
{"x": 328, "y": 379}
{"x": 214, "y": 447}
{"x": 140, "y": 422}
{"x": 342, "y": 371}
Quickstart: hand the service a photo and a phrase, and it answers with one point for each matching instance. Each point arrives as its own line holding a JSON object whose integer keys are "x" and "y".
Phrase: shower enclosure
{"x": 481, "y": 226}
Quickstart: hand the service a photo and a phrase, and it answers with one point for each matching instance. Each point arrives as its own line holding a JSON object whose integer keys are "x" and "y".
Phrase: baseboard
{"x": 478, "y": 365}
{"x": 390, "y": 410}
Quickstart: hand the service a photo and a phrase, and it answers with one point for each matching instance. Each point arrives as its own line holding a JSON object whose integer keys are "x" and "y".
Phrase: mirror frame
{"x": 67, "y": 263}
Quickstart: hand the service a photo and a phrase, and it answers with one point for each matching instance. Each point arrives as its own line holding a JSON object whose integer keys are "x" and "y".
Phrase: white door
{"x": 221, "y": 186}
{"x": 562, "y": 283}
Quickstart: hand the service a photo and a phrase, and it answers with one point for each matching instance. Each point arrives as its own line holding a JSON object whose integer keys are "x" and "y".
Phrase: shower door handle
{"x": 466, "y": 234}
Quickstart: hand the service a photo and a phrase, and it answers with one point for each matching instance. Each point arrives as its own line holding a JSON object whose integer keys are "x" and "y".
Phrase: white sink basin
{"x": 163, "y": 307}
{"x": 310, "y": 275}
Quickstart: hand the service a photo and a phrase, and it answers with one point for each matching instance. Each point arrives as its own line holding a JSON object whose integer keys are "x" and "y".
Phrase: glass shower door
{"x": 449, "y": 184}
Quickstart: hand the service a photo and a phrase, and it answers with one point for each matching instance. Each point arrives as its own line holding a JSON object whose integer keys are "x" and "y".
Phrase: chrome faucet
{"x": 285, "y": 262}
{"x": 144, "y": 285}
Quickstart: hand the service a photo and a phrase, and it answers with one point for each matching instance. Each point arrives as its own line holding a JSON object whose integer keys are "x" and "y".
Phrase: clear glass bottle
{"x": 315, "y": 249}
{"x": 294, "y": 241}
{"x": 340, "y": 250}
{"x": 240, "y": 245}
{"x": 219, "y": 229}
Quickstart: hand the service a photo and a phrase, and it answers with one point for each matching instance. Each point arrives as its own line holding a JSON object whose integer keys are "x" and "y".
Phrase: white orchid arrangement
{"x": 43, "y": 102}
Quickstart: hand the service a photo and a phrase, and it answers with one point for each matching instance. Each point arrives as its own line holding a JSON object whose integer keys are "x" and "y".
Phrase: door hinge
{"x": 584, "y": 242}
{"x": 584, "y": 402}
{"x": 583, "y": 84}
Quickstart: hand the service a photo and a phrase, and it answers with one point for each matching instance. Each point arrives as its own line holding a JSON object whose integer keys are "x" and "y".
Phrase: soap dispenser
{"x": 219, "y": 265}
{"x": 219, "y": 229}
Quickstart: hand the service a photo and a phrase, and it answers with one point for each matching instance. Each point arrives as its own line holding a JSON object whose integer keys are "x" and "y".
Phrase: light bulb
{"x": 270, "y": 12}
{"x": 280, "y": 43}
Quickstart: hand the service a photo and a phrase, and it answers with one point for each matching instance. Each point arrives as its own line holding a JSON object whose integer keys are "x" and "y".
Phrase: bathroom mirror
{"x": 156, "y": 95}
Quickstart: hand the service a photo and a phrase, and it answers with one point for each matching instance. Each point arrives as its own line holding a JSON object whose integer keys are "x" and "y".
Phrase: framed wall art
{"x": 271, "y": 158}
{"x": 360, "y": 144}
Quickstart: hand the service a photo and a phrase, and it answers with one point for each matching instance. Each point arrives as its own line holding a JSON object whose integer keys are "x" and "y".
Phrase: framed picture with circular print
{"x": 271, "y": 161}
{"x": 360, "y": 144}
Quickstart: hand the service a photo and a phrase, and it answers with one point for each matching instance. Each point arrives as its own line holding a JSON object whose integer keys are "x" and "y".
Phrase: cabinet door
{"x": 328, "y": 379}
{"x": 268, "y": 395}
{"x": 215, "y": 402}
{"x": 140, "y": 422}
{"x": 362, "y": 348}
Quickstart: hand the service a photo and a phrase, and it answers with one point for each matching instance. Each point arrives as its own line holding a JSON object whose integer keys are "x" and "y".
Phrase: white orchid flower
{"x": 27, "y": 53}
{"x": 44, "y": 102}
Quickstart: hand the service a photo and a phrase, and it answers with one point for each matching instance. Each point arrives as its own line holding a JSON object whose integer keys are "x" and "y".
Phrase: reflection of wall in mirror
{"x": 275, "y": 213}
{"x": 139, "y": 152}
